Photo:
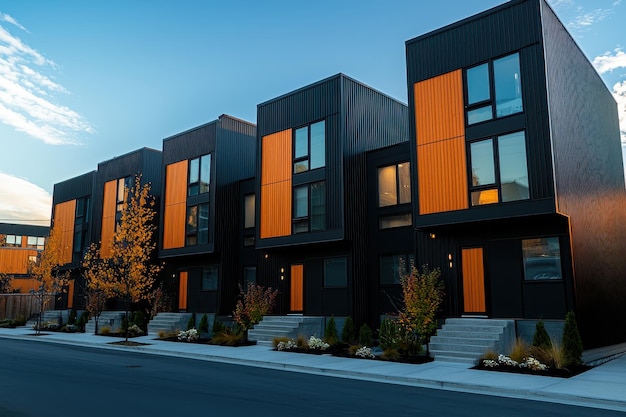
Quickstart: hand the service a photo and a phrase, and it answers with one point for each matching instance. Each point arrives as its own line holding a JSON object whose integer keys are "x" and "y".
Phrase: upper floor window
{"x": 309, "y": 207}
{"x": 123, "y": 185}
{"x": 36, "y": 242}
{"x": 13, "y": 240}
{"x": 82, "y": 211}
{"x": 309, "y": 147}
{"x": 249, "y": 201}
{"x": 199, "y": 175}
{"x": 499, "y": 179}
{"x": 394, "y": 185}
{"x": 197, "y": 230}
{"x": 494, "y": 89}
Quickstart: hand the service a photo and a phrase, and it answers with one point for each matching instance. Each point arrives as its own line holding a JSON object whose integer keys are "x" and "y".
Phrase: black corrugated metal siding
{"x": 77, "y": 187}
{"x": 589, "y": 183}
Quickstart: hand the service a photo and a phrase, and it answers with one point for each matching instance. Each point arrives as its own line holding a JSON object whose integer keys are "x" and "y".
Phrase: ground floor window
{"x": 209, "y": 278}
{"x": 542, "y": 258}
{"x": 392, "y": 266}
{"x": 336, "y": 272}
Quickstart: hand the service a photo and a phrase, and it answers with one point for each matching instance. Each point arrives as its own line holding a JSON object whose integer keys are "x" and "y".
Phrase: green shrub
{"x": 191, "y": 324}
{"x": 348, "y": 334}
{"x": 571, "y": 342}
{"x": 365, "y": 335}
{"x": 72, "y": 317}
{"x": 330, "y": 334}
{"x": 388, "y": 334}
{"x": 541, "y": 338}
{"x": 218, "y": 326}
{"x": 139, "y": 319}
{"x": 203, "y": 327}
{"x": 82, "y": 321}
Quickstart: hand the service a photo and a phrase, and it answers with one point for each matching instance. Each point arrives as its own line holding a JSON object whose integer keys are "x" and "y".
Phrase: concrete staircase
{"x": 464, "y": 340}
{"x": 110, "y": 319}
{"x": 169, "y": 322}
{"x": 286, "y": 326}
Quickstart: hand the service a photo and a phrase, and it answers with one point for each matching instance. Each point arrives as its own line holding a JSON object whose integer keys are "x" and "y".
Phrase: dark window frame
{"x": 215, "y": 281}
{"x": 306, "y": 220}
{"x": 543, "y": 258}
{"x": 409, "y": 262}
{"x": 195, "y": 187}
{"x": 398, "y": 183}
{"x": 346, "y": 264}
{"x": 306, "y": 157}
{"x": 194, "y": 231}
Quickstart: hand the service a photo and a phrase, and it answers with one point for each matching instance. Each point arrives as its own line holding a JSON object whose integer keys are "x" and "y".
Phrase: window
{"x": 82, "y": 211}
{"x": 248, "y": 240}
{"x": 199, "y": 175}
{"x": 197, "y": 231}
{"x": 394, "y": 185}
{"x": 14, "y": 241}
{"x": 542, "y": 259}
{"x": 249, "y": 201}
{"x": 123, "y": 185}
{"x": 309, "y": 147}
{"x": 209, "y": 278}
{"x": 309, "y": 207}
{"x": 500, "y": 179}
{"x": 499, "y": 78}
{"x": 249, "y": 275}
{"x": 336, "y": 272}
{"x": 399, "y": 220}
{"x": 391, "y": 266}
{"x": 36, "y": 242}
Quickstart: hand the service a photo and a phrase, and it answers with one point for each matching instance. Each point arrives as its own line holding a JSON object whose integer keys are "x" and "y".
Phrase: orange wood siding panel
{"x": 297, "y": 288}
{"x": 70, "y": 293}
{"x": 473, "y": 280}
{"x": 15, "y": 260}
{"x": 109, "y": 204}
{"x": 175, "y": 205}
{"x": 182, "y": 291}
{"x": 24, "y": 285}
{"x": 276, "y": 166}
{"x": 440, "y": 135}
{"x": 64, "y": 215}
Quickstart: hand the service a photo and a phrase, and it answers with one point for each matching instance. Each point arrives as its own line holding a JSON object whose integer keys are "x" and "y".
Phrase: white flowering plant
{"x": 364, "y": 352}
{"x": 287, "y": 345}
{"x": 188, "y": 335}
{"x": 529, "y": 363}
{"x": 317, "y": 344}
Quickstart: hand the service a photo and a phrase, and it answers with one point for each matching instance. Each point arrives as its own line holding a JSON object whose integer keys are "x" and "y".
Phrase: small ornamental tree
{"x": 348, "y": 334}
{"x": 541, "y": 339}
{"x": 125, "y": 270}
{"x": 203, "y": 327}
{"x": 45, "y": 271}
{"x": 330, "y": 333}
{"x": 254, "y": 303}
{"x": 571, "y": 341}
{"x": 365, "y": 335}
{"x": 422, "y": 294}
{"x": 5, "y": 283}
{"x": 95, "y": 303}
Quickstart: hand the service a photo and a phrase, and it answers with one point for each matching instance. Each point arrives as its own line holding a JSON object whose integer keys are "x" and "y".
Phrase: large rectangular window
{"x": 499, "y": 179}
{"x": 123, "y": 187}
{"x": 197, "y": 230}
{"x": 393, "y": 266}
{"x": 336, "y": 272}
{"x": 493, "y": 89}
{"x": 36, "y": 242}
{"x": 542, "y": 258}
{"x": 199, "y": 175}
{"x": 209, "y": 278}
{"x": 309, "y": 207}
{"x": 309, "y": 147}
{"x": 13, "y": 241}
{"x": 82, "y": 211}
{"x": 394, "y": 185}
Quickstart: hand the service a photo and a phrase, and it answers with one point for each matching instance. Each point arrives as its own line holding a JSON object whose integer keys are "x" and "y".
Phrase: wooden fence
{"x": 22, "y": 305}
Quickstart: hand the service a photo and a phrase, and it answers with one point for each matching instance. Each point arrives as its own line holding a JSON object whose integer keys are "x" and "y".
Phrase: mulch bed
{"x": 204, "y": 341}
{"x": 129, "y": 343}
{"x": 342, "y": 351}
{"x": 559, "y": 373}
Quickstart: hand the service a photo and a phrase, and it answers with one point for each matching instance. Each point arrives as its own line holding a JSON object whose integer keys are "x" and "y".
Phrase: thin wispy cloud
{"x": 27, "y": 93}
{"x": 15, "y": 191}
{"x": 585, "y": 20}
{"x": 608, "y": 62}
{"x": 619, "y": 92}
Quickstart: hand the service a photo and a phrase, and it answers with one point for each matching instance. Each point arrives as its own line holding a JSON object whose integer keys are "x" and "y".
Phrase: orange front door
{"x": 473, "y": 271}
{"x": 296, "y": 299}
{"x": 182, "y": 291}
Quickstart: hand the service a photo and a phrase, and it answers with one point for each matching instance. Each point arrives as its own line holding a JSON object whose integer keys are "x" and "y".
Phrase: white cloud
{"x": 619, "y": 92}
{"x": 610, "y": 61}
{"x": 585, "y": 20}
{"x": 27, "y": 93}
{"x": 23, "y": 202}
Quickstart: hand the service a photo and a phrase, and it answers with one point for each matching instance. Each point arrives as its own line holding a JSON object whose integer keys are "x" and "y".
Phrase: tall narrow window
{"x": 210, "y": 277}
{"x": 494, "y": 89}
{"x": 123, "y": 186}
{"x": 199, "y": 175}
{"x": 249, "y": 201}
{"x": 197, "y": 230}
{"x": 318, "y": 206}
{"x": 513, "y": 167}
{"x": 394, "y": 185}
{"x": 309, "y": 207}
{"x": 301, "y": 209}
{"x": 249, "y": 275}
{"x": 309, "y": 147}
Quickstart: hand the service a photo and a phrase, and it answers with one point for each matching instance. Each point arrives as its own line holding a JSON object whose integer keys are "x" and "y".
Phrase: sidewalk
{"x": 602, "y": 387}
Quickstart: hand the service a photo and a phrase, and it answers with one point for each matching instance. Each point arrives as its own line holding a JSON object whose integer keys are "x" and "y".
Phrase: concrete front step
{"x": 168, "y": 322}
{"x": 286, "y": 326}
{"x": 110, "y": 319}
{"x": 468, "y": 335}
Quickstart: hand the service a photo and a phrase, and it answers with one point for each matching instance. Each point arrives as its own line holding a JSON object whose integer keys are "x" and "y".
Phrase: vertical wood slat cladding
{"x": 182, "y": 290}
{"x": 297, "y": 288}
{"x": 440, "y": 140}
{"x": 175, "y": 205}
{"x": 276, "y": 160}
{"x": 64, "y": 214}
{"x": 473, "y": 271}
{"x": 108, "y": 217}
{"x": 15, "y": 260}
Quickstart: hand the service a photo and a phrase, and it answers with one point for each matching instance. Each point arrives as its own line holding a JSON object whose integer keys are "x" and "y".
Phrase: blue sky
{"x": 84, "y": 81}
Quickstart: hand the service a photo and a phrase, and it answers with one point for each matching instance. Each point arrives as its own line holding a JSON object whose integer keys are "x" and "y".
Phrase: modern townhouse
{"x": 518, "y": 177}
{"x": 19, "y": 245}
